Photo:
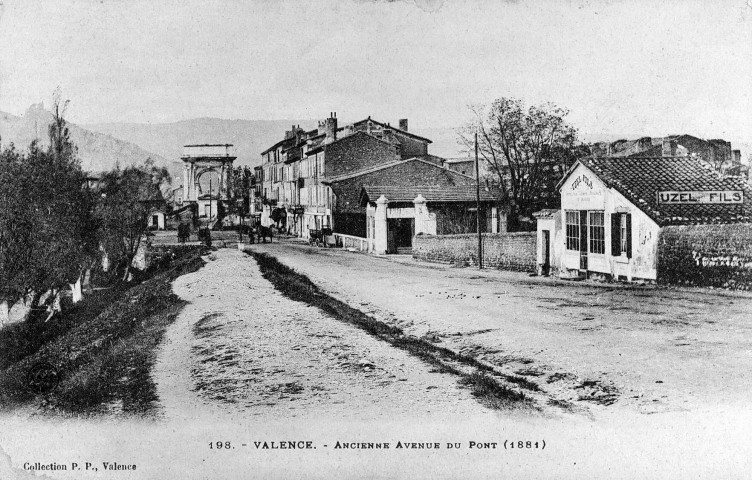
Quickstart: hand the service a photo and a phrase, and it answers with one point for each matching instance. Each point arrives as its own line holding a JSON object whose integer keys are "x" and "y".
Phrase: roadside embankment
{"x": 95, "y": 357}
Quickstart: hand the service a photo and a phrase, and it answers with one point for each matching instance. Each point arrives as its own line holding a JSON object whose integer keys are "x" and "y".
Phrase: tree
{"x": 241, "y": 183}
{"x": 526, "y": 152}
{"x": 127, "y": 197}
{"x": 46, "y": 227}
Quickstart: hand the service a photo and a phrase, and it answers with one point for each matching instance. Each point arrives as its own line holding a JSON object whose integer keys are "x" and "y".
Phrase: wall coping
{"x": 475, "y": 235}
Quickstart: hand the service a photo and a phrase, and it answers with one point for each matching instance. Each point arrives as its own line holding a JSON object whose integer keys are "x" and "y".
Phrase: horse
{"x": 264, "y": 232}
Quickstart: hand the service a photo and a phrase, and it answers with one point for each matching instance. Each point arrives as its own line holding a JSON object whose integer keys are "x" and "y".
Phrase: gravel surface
{"x": 241, "y": 348}
{"x": 597, "y": 346}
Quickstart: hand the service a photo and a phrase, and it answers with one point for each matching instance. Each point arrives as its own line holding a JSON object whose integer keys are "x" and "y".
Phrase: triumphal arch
{"x": 199, "y": 160}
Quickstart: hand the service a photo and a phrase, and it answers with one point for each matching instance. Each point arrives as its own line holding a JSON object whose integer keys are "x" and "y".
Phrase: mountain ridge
{"x": 96, "y": 151}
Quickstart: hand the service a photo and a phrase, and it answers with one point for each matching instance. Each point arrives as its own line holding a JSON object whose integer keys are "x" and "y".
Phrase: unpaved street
{"x": 605, "y": 347}
{"x": 240, "y": 348}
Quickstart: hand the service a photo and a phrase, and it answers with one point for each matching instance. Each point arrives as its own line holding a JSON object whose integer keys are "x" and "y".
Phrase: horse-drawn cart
{"x": 323, "y": 237}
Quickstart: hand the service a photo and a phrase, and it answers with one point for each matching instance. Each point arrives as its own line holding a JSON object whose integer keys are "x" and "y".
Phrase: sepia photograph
{"x": 375, "y": 239}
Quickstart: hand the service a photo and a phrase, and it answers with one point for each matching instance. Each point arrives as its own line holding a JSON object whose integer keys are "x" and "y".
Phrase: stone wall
{"x": 706, "y": 255}
{"x": 357, "y": 152}
{"x": 506, "y": 251}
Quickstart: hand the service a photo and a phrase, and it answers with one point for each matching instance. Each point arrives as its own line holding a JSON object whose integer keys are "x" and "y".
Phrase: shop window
{"x": 573, "y": 230}
{"x": 597, "y": 232}
{"x": 621, "y": 234}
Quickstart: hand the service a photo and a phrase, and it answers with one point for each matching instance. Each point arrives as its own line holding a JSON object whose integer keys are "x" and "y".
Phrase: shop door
{"x": 583, "y": 240}
{"x": 546, "y": 252}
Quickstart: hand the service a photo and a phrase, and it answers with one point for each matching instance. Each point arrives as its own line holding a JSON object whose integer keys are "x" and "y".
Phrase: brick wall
{"x": 706, "y": 255}
{"x": 506, "y": 251}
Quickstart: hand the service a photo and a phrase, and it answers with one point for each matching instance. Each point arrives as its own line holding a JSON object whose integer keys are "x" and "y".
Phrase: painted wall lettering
{"x": 701, "y": 197}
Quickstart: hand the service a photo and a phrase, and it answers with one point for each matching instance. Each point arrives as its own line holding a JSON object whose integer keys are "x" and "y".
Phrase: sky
{"x": 620, "y": 67}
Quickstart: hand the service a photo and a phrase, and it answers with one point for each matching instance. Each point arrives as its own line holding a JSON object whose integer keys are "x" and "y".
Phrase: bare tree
{"x": 526, "y": 151}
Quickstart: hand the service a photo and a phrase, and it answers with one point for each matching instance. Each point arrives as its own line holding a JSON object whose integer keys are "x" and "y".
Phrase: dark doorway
{"x": 400, "y": 235}
{"x": 583, "y": 241}
{"x": 546, "y": 252}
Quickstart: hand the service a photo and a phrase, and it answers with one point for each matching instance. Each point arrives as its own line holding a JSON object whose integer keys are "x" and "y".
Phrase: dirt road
{"x": 645, "y": 349}
{"x": 241, "y": 349}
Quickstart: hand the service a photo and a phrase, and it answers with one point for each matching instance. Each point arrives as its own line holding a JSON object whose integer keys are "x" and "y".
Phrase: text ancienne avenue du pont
{"x": 338, "y": 445}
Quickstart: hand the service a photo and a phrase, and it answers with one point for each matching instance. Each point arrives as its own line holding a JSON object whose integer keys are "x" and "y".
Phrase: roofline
{"x": 393, "y": 128}
{"x": 394, "y": 163}
{"x": 209, "y": 145}
{"x": 651, "y": 215}
{"x": 274, "y": 146}
{"x": 568, "y": 173}
{"x": 364, "y": 191}
{"x": 323, "y": 146}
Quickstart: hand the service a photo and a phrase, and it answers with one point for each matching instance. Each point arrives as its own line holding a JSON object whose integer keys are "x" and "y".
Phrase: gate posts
{"x": 380, "y": 228}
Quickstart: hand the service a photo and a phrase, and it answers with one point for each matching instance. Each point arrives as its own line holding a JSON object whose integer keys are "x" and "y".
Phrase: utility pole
{"x": 477, "y": 205}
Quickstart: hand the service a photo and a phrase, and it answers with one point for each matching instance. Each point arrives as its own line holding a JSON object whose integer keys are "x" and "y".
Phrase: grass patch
{"x": 492, "y": 394}
{"x": 103, "y": 349}
{"x": 487, "y": 385}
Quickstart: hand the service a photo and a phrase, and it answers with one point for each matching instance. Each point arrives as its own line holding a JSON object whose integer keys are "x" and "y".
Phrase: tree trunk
{"x": 86, "y": 286}
{"x": 54, "y": 306}
{"x": 76, "y": 290}
{"x": 4, "y": 313}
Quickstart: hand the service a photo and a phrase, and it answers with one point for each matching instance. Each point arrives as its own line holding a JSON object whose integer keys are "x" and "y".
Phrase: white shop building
{"x": 613, "y": 209}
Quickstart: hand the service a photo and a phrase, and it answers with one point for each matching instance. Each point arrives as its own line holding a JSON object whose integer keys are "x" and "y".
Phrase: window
{"x": 573, "y": 230}
{"x": 621, "y": 234}
{"x": 597, "y": 232}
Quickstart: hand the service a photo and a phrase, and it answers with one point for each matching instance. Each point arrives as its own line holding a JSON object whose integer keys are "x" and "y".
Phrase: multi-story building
{"x": 293, "y": 177}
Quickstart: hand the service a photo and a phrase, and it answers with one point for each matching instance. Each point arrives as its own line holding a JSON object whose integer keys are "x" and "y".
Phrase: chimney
{"x": 736, "y": 158}
{"x": 403, "y": 124}
{"x": 330, "y": 128}
{"x": 669, "y": 148}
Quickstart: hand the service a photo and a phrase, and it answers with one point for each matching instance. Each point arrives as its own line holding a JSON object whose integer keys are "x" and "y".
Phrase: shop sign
{"x": 705, "y": 197}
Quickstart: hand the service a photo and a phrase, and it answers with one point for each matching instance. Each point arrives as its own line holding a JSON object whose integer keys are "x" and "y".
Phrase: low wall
{"x": 507, "y": 251}
{"x": 706, "y": 255}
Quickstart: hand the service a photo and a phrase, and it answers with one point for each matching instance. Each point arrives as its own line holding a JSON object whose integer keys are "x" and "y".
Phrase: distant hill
{"x": 97, "y": 151}
{"x": 250, "y": 137}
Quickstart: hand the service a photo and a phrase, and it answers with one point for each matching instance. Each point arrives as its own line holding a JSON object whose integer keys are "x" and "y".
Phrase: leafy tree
{"x": 46, "y": 226}
{"x": 127, "y": 197}
{"x": 526, "y": 151}
{"x": 241, "y": 183}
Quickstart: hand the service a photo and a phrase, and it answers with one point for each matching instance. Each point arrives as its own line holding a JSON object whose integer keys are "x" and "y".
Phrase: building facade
{"x": 293, "y": 181}
{"x": 613, "y": 210}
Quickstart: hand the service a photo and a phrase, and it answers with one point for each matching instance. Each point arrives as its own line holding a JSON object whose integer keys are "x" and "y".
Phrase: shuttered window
{"x": 621, "y": 234}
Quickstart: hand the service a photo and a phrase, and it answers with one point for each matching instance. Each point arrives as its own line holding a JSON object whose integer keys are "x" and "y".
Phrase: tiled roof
{"x": 640, "y": 179}
{"x": 372, "y": 193}
{"x": 386, "y": 165}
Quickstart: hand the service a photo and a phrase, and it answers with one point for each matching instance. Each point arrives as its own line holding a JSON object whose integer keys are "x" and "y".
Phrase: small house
{"x": 613, "y": 211}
